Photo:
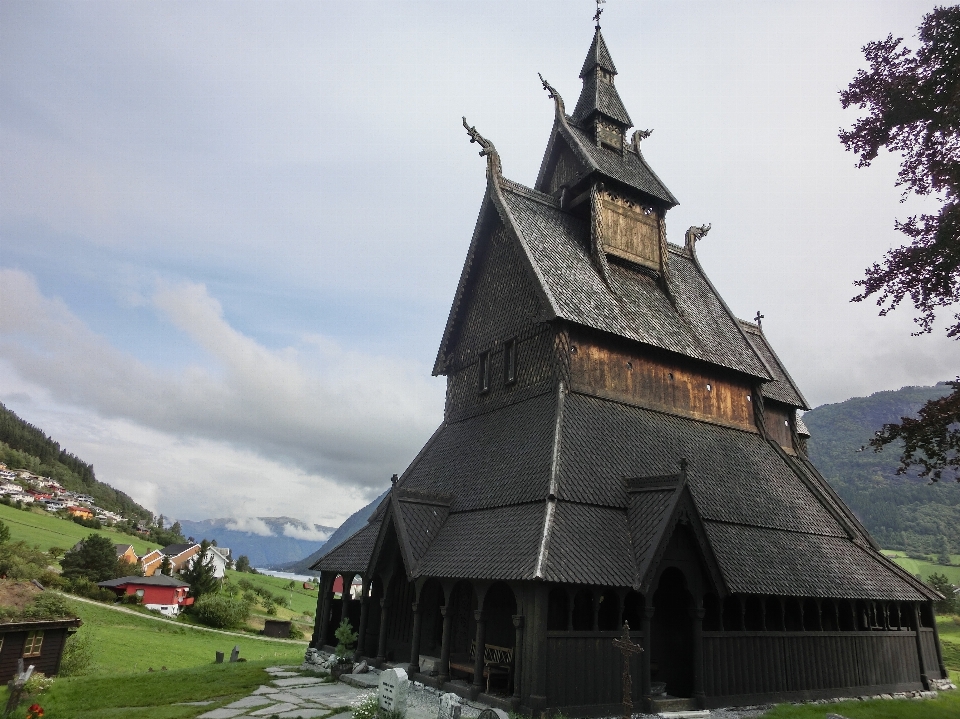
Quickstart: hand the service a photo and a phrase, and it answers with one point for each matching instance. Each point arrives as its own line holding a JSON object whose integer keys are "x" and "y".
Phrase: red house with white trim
{"x": 159, "y": 592}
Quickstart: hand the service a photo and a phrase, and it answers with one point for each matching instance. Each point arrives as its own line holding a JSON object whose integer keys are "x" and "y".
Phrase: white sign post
{"x": 394, "y": 686}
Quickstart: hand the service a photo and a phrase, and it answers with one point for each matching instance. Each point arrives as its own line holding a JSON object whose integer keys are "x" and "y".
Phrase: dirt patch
{"x": 17, "y": 595}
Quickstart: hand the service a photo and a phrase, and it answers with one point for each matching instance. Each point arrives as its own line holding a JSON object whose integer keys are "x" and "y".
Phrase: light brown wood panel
{"x": 656, "y": 382}
{"x": 777, "y": 421}
{"x": 630, "y": 230}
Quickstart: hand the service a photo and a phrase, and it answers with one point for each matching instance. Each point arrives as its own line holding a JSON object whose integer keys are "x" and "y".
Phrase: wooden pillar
{"x": 345, "y": 598}
{"x": 924, "y": 678}
{"x": 323, "y": 611}
{"x": 597, "y": 597}
{"x": 743, "y": 613}
{"x": 571, "y": 601}
{"x": 447, "y": 612}
{"x": 819, "y": 614}
{"x": 763, "y": 613}
{"x": 517, "y": 657}
{"x": 698, "y": 613}
{"x": 936, "y": 643}
{"x": 481, "y": 619}
{"x": 536, "y": 637}
{"x": 415, "y": 640}
{"x": 648, "y": 611}
{"x": 364, "y": 611}
{"x": 382, "y": 641}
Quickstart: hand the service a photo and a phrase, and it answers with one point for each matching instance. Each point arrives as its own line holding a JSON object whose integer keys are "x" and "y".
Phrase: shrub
{"x": 220, "y": 611}
{"x": 295, "y": 632}
{"x": 18, "y": 560}
{"x": 83, "y": 587}
{"x": 346, "y": 638}
{"x": 77, "y": 654}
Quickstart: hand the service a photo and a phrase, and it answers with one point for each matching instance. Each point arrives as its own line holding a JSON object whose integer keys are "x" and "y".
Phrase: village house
{"x": 619, "y": 454}
{"x": 181, "y": 555}
{"x": 151, "y": 562}
{"x": 75, "y": 510}
{"x": 159, "y": 592}
{"x": 126, "y": 553}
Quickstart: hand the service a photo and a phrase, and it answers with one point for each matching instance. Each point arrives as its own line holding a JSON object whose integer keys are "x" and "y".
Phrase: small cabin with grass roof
{"x": 617, "y": 447}
{"x": 34, "y": 626}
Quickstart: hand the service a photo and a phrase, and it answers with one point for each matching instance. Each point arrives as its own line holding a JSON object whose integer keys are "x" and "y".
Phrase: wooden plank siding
{"x": 627, "y": 375}
{"x": 778, "y": 663}
{"x": 928, "y": 643}
{"x": 50, "y": 651}
{"x": 584, "y": 668}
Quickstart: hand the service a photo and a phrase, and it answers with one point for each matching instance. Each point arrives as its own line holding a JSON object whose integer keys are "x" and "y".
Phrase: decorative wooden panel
{"x": 630, "y": 230}
{"x": 618, "y": 373}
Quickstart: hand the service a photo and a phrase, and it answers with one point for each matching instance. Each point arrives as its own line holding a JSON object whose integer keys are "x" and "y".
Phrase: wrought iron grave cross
{"x": 627, "y": 648}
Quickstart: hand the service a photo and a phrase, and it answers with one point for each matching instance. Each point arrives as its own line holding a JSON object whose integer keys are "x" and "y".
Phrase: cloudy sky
{"x": 230, "y": 231}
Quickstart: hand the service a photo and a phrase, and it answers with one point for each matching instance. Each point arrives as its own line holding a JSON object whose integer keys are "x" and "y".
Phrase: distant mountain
{"x": 23, "y": 446}
{"x": 267, "y": 541}
{"x": 346, "y": 530}
{"x": 901, "y": 512}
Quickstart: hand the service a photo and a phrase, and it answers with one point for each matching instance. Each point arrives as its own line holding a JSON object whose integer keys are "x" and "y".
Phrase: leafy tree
{"x": 18, "y": 560}
{"x": 4, "y": 533}
{"x": 200, "y": 574}
{"x": 222, "y": 612}
{"x": 243, "y": 563}
{"x": 165, "y": 566}
{"x": 95, "y": 559}
{"x": 913, "y": 103}
{"x": 949, "y": 603}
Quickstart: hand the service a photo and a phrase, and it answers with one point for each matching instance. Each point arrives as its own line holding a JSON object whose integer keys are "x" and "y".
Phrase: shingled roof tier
{"x": 604, "y": 534}
{"x": 782, "y": 388}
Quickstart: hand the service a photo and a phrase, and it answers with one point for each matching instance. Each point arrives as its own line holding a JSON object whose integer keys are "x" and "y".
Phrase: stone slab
{"x": 275, "y": 709}
{"x": 280, "y": 668}
{"x": 221, "y": 714}
{"x": 361, "y": 681}
{"x": 330, "y": 695}
{"x": 303, "y": 713}
{"x": 205, "y": 703}
{"x": 254, "y": 700}
{"x": 264, "y": 689}
{"x": 288, "y": 697}
{"x": 282, "y": 674}
{"x": 296, "y": 681}
{"x": 693, "y": 714}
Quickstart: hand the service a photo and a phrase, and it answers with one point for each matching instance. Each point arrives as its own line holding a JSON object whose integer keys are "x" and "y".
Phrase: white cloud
{"x": 310, "y": 534}
{"x": 328, "y": 411}
{"x": 253, "y": 525}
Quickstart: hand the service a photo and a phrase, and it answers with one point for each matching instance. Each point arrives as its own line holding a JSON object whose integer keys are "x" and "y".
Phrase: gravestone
{"x": 235, "y": 654}
{"x": 450, "y": 706}
{"x": 394, "y": 686}
{"x": 219, "y": 658}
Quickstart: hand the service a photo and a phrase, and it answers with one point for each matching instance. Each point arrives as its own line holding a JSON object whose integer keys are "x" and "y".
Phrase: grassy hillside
{"x": 129, "y": 644}
{"x": 926, "y": 568}
{"x": 39, "y": 527}
{"x": 23, "y": 446}
{"x": 902, "y": 512}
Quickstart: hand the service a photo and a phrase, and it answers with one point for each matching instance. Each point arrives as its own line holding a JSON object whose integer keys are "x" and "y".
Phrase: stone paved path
{"x": 290, "y": 695}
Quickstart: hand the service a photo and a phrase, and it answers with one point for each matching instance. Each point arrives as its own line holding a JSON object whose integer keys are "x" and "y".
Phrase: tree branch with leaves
{"x": 912, "y": 101}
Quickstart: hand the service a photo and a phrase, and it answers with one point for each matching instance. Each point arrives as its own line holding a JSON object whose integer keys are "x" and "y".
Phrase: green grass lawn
{"x": 150, "y": 696}
{"x": 301, "y": 600}
{"x": 925, "y": 569}
{"x": 125, "y": 643}
{"x": 946, "y": 706}
{"x": 47, "y": 530}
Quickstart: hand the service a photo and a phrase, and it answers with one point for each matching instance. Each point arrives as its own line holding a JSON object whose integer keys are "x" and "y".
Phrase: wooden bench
{"x": 497, "y": 662}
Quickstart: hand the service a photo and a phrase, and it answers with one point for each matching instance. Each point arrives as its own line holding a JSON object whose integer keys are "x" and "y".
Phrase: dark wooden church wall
{"x": 745, "y": 664}
{"x": 400, "y": 621}
{"x": 928, "y": 644}
{"x": 535, "y": 375}
{"x": 584, "y": 668}
{"x": 609, "y": 369}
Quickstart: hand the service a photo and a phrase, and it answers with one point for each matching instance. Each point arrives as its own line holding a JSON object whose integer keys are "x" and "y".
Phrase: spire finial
{"x": 759, "y": 319}
{"x": 596, "y": 18}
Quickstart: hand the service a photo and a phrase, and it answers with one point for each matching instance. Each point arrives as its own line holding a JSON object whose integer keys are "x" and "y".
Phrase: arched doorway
{"x": 671, "y": 630}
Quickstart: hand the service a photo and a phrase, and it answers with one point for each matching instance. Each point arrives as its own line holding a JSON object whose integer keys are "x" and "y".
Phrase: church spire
{"x": 599, "y": 108}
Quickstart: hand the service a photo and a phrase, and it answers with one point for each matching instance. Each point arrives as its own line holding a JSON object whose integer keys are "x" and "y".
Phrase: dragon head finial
{"x": 488, "y": 151}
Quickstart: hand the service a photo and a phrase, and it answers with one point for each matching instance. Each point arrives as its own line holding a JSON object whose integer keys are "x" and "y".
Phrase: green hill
{"x": 23, "y": 446}
{"x": 902, "y": 512}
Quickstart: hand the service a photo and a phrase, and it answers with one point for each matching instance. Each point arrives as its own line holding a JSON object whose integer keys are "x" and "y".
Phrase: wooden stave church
{"x": 617, "y": 445}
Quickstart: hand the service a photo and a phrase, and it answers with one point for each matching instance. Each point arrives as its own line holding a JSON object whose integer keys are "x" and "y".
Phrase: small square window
{"x": 510, "y": 361}
{"x": 484, "y": 372}
{"x": 32, "y": 646}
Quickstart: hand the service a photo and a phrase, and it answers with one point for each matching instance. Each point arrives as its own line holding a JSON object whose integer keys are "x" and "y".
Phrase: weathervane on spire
{"x": 596, "y": 18}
